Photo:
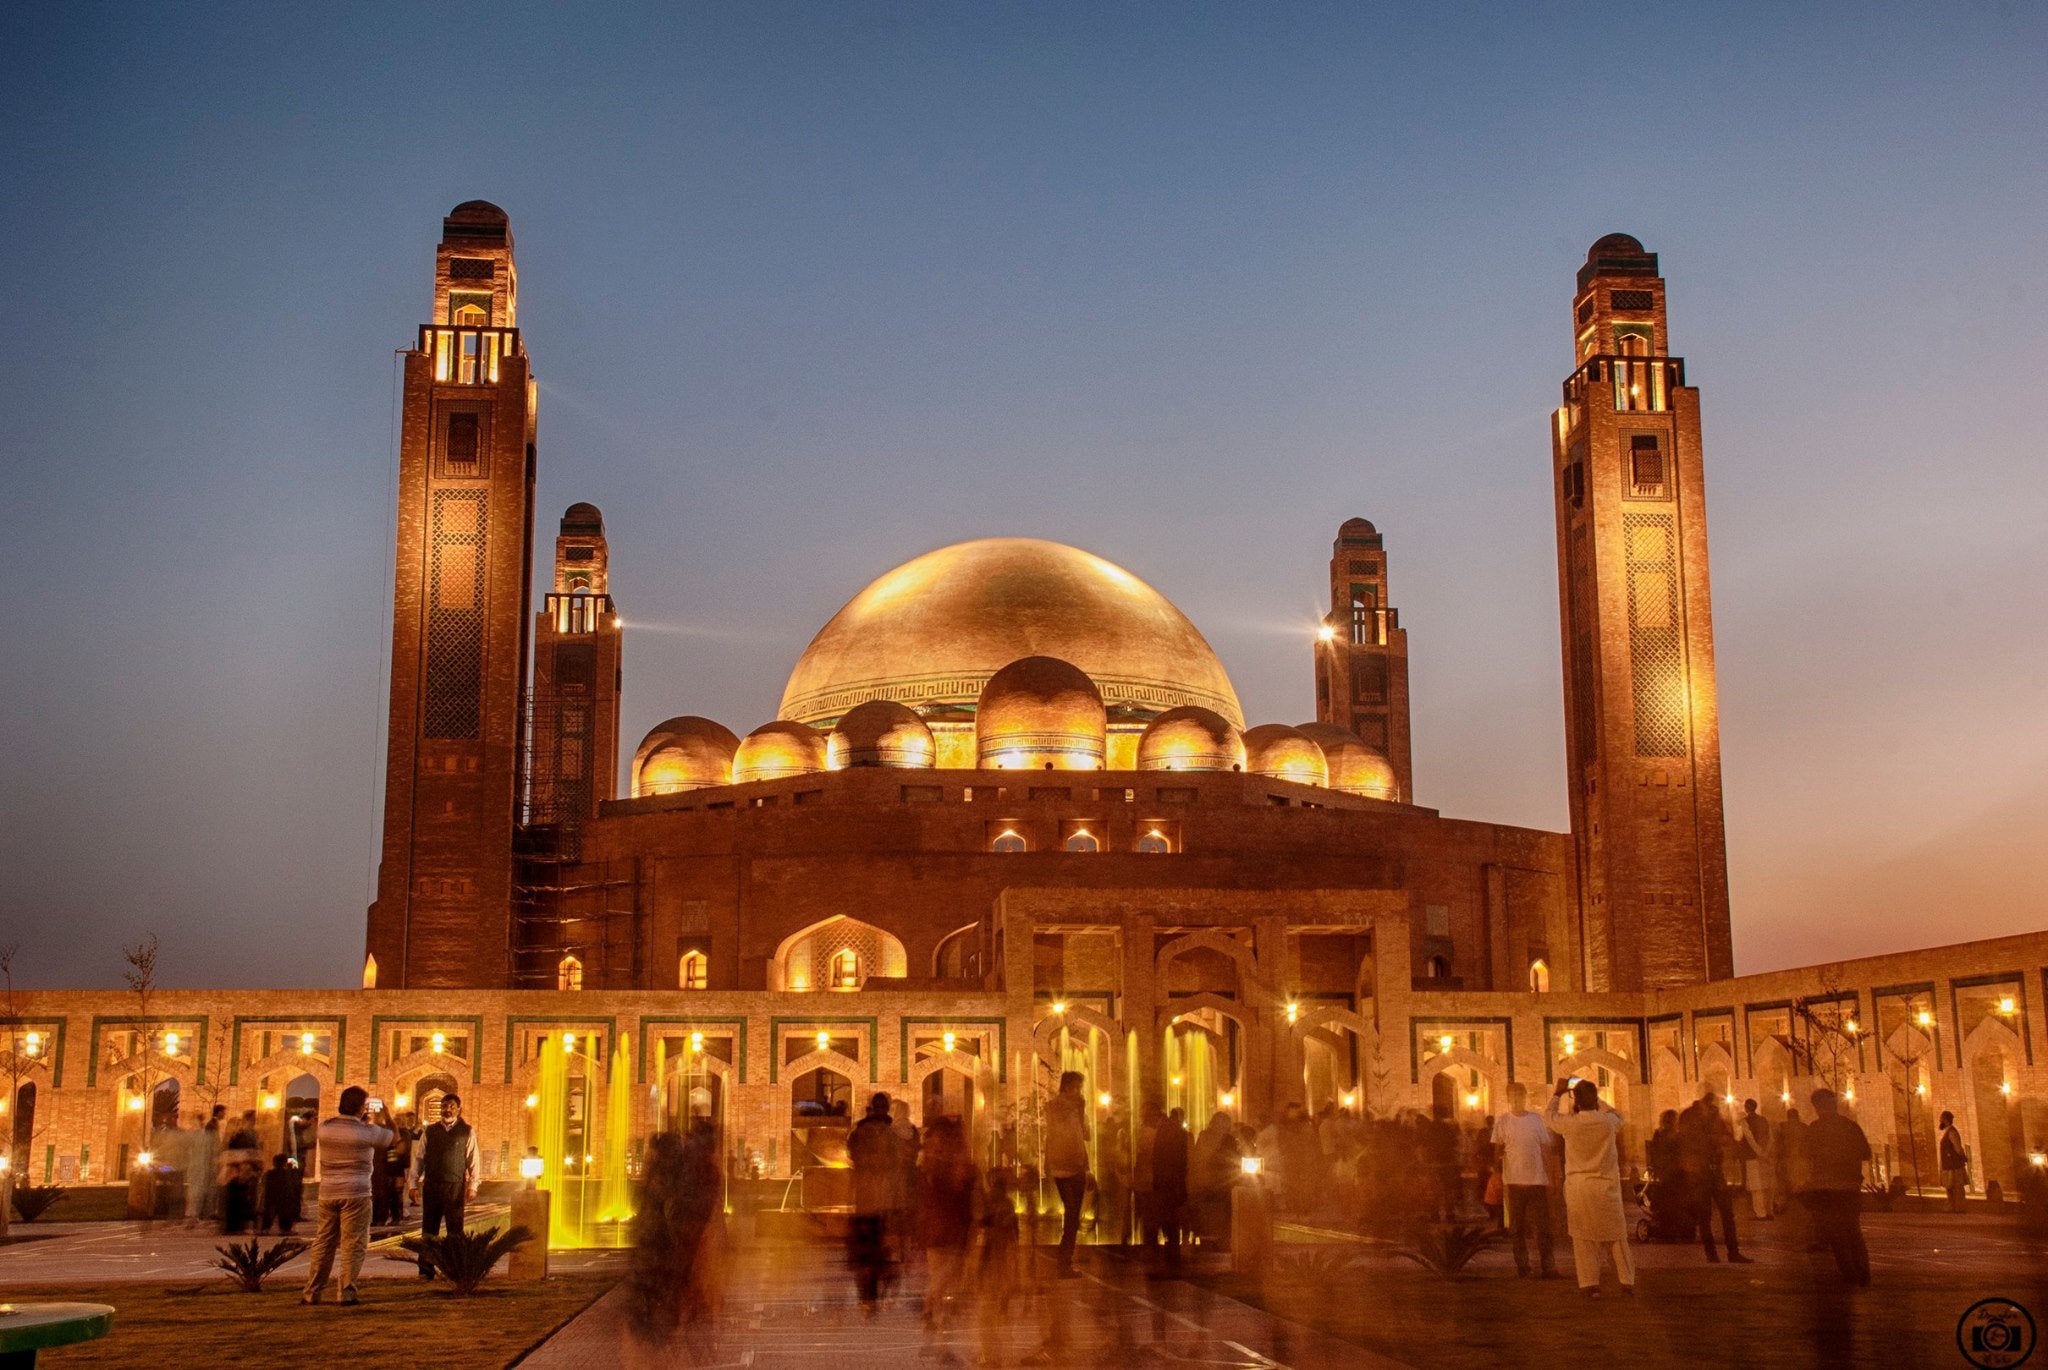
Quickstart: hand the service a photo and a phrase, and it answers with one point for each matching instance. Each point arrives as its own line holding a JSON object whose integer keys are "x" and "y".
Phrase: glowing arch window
{"x": 1082, "y": 840}
{"x": 370, "y": 972}
{"x": 569, "y": 973}
{"x": 1155, "y": 842}
{"x": 1008, "y": 840}
{"x": 845, "y": 969}
{"x": 1539, "y": 977}
{"x": 693, "y": 971}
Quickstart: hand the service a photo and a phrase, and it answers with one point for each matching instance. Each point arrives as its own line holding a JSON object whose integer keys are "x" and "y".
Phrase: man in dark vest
{"x": 444, "y": 1174}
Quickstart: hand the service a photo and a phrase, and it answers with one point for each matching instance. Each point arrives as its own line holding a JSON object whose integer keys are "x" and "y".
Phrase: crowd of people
{"x": 919, "y": 1194}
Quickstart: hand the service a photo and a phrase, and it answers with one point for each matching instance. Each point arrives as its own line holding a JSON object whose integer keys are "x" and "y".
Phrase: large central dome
{"x": 931, "y": 632}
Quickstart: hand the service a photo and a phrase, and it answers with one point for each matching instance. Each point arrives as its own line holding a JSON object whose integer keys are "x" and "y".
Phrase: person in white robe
{"x": 1592, "y": 1183}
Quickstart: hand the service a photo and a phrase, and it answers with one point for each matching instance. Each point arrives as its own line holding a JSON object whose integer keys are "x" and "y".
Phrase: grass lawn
{"x": 1701, "y": 1316}
{"x": 213, "y": 1325}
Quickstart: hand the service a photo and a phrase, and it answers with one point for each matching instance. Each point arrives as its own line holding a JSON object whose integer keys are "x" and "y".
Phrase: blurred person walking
{"x": 1706, "y": 1140}
{"x": 1521, "y": 1136}
{"x": 1066, "y": 1161}
{"x": 876, "y": 1184}
{"x": 348, "y": 1151}
{"x": 240, "y": 1176}
{"x": 668, "y": 1283}
{"x": 1213, "y": 1168}
{"x": 1170, "y": 1184}
{"x": 1592, "y": 1184}
{"x": 947, "y": 1182}
{"x": 1837, "y": 1151}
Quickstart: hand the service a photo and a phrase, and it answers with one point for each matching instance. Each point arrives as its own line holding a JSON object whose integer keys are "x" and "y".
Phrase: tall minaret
{"x": 1362, "y": 653}
{"x": 459, "y": 625}
{"x": 576, "y": 677}
{"x": 1642, "y": 733}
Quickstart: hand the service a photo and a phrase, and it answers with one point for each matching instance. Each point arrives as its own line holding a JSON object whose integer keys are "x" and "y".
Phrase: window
{"x": 1437, "y": 968}
{"x": 845, "y": 969}
{"x": 1648, "y": 476}
{"x": 1008, "y": 840}
{"x": 1155, "y": 842}
{"x": 1539, "y": 977}
{"x": 569, "y": 973}
{"x": 1082, "y": 840}
{"x": 693, "y": 971}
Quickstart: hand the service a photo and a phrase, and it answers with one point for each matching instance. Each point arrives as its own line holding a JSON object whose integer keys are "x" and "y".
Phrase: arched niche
{"x": 806, "y": 958}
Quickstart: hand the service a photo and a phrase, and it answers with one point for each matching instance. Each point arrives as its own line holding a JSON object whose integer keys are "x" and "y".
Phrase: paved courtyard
{"x": 791, "y": 1305}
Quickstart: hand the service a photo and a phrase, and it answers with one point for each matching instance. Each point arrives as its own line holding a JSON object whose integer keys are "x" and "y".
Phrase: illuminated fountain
{"x": 588, "y": 1176}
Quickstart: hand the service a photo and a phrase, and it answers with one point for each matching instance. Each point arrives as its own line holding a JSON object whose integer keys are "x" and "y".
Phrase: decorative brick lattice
{"x": 1655, "y": 648}
{"x": 1632, "y": 301}
{"x": 471, "y": 268}
{"x": 455, "y": 613}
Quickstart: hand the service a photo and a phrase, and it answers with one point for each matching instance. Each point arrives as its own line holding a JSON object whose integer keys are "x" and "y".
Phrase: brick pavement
{"x": 792, "y": 1306}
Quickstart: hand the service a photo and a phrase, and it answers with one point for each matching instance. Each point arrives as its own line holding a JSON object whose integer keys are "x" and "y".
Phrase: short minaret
{"x": 576, "y": 677}
{"x": 1362, "y": 653}
{"x": 1642, "y": 732}
{"x": 460, "y": 602}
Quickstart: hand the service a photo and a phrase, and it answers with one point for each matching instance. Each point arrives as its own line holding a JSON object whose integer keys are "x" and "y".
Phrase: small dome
{"x": 1615, "y": 245}
{"x": 582, "y": 518}
{"x": 686, "y": 753}
{"x": 1355, "y": 768}
{"x": 880, "y": 732}
{"x": 1358, "y": 528}
{"x": 776, "y": 750}
{"x": 1040, "y": 713}
{"x": 1279, "y": 752}
{"x": 1190, "y": 738}
{"x": 480, "y": 211}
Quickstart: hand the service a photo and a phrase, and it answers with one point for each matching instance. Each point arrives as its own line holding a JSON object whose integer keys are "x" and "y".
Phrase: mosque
{"x": 1009, "y": 817}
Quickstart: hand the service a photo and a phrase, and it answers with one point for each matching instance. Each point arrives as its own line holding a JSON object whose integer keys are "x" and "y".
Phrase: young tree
{"x": 141, "y": 978}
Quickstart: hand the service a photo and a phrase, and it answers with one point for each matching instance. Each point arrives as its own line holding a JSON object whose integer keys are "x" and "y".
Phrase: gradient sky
{"x": 813, "y": 288}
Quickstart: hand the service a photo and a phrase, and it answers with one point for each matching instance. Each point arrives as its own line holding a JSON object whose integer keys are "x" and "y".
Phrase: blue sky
{"x": 813, "y": 288}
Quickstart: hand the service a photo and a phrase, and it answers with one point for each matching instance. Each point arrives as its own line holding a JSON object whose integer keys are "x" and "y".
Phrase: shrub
{"x": 32, "y": 1201}
{"x": 1447, "y": 1248}
{"x": 1318, "y": 1267}
{"x": 464, "y": 1259}
{"x": 246, "y": 1263}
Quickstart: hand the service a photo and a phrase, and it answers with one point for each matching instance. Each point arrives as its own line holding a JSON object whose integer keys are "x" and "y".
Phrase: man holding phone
{"x": 1592, "y": 1183}
{"x": 445, "y": 1170}
{"x": 348, "y": 1151}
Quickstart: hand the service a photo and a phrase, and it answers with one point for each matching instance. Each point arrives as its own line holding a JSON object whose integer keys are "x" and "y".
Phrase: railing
{"x": 578, "y": 613}
{"x": 1637, "y": 384}
{"x": 468, "y": 355}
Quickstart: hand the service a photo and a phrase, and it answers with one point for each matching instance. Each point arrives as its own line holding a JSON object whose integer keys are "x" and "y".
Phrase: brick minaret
{"x": 1362, "y": 652}
{"x": 576, "y": 675}
{"x": 459, "y": 625}
{"x": 1642, "y": 733}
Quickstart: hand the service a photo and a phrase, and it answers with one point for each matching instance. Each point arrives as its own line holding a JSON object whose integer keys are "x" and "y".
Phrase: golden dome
{"x": 1279, "y": 752}
{"x": 932, "y": 632}
{"x": 776, "y": 750}
{"x": 880, "y": 732}
{"x": 1190, "y": 738}
{"x": 1040, "y": 713}
{"x": 686, "y": 753}
{"x": 1355, "y": 767}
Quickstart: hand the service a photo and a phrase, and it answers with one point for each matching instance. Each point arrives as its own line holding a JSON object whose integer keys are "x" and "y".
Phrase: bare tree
{"x": 141, "y": 978}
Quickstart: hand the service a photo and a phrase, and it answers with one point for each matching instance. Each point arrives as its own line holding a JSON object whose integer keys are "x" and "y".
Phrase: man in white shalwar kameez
{"x": 1592, "y": 1184}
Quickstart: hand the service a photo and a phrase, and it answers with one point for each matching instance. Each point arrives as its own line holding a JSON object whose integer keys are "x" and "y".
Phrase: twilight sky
{"x": 812, "y": 288}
